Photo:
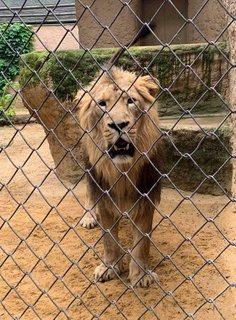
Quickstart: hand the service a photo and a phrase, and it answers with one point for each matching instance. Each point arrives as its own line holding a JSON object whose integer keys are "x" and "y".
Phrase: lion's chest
{"x": 124, "y": 194}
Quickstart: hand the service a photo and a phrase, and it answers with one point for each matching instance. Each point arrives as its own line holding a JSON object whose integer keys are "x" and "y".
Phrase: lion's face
{"x": 113, "y": 113}
{"x": 117, "y": 113}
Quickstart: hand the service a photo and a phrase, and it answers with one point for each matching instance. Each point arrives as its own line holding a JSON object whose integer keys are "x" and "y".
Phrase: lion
{"x": 122, "y": 151}
{"x": 122, "y": 148}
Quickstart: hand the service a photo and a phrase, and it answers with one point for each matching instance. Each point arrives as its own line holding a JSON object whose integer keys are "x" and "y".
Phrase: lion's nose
{"x": 118, "y": 126}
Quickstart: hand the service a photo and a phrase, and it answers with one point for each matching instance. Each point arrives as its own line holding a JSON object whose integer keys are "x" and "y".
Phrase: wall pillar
{"x": 231, "y": 7}
{"x": 92, "y": 33}
{"x": 210, "y": 21}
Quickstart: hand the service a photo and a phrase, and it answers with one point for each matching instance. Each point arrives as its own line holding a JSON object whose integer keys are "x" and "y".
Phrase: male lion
{"x": 121, "y": 144}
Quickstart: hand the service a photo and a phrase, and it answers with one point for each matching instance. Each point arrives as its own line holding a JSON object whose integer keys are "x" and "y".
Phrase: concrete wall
{"x": 209, "y": 20}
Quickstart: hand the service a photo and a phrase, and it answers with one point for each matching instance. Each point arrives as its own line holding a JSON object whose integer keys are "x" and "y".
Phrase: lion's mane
{"x": 142, "y": 174}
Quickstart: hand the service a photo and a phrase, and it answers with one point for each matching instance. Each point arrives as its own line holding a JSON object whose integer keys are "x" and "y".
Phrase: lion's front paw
{"x": 88, "y": 221}
{"x": 144, "y": 280}
{"x": 103, "y": 273}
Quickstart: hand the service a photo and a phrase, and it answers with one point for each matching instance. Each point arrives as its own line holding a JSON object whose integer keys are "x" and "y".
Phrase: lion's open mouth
{"x": 121, "y": 148}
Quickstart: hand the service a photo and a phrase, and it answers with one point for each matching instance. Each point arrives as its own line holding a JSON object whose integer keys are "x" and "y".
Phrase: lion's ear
{"x": 147, "y": 86}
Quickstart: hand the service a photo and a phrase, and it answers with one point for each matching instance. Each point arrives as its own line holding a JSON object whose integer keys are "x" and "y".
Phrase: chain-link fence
{"x": 84, "y": 154}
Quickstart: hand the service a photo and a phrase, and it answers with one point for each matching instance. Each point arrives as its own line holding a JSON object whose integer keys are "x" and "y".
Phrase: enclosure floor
{"x": 40, "y": 288}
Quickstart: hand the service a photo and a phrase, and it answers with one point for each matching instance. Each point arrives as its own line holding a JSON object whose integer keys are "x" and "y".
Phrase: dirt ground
{"x": 47, "y": 259}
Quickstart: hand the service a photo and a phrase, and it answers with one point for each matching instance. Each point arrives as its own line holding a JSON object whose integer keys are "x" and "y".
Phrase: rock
{"x": 61, "y": 128}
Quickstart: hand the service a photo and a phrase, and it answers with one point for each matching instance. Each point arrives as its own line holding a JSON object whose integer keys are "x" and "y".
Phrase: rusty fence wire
{"x": 47, "y": 258}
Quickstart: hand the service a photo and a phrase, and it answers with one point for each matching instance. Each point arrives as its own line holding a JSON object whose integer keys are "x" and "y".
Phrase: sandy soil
{"x": 47, "y": 259}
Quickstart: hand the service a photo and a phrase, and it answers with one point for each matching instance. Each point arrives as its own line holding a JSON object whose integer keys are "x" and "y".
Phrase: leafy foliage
{"x": 7, "y": 109}
{"x": 15, "y": 39}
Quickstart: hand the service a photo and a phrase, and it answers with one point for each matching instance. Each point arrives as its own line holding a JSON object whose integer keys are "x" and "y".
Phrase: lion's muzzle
{"x": 121, "y": 148}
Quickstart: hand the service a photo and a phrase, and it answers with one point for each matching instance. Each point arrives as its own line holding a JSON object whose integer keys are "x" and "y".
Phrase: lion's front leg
{"x": 139, "y": 273}
{"x": 112, "y": 265}
{"x": 89, "y": 219}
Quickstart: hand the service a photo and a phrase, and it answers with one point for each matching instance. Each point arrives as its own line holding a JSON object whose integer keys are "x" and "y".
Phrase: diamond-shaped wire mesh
{"x": 61, "y": 203}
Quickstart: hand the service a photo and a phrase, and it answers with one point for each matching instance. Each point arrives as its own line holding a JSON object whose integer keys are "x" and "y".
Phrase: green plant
{"x": 15, "y": 39}
{"x": 7, "y": 109}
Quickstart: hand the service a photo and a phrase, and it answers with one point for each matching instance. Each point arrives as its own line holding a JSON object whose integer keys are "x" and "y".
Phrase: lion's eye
{"x": 131, "y": 100}
{"x": 102, "y": 103}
